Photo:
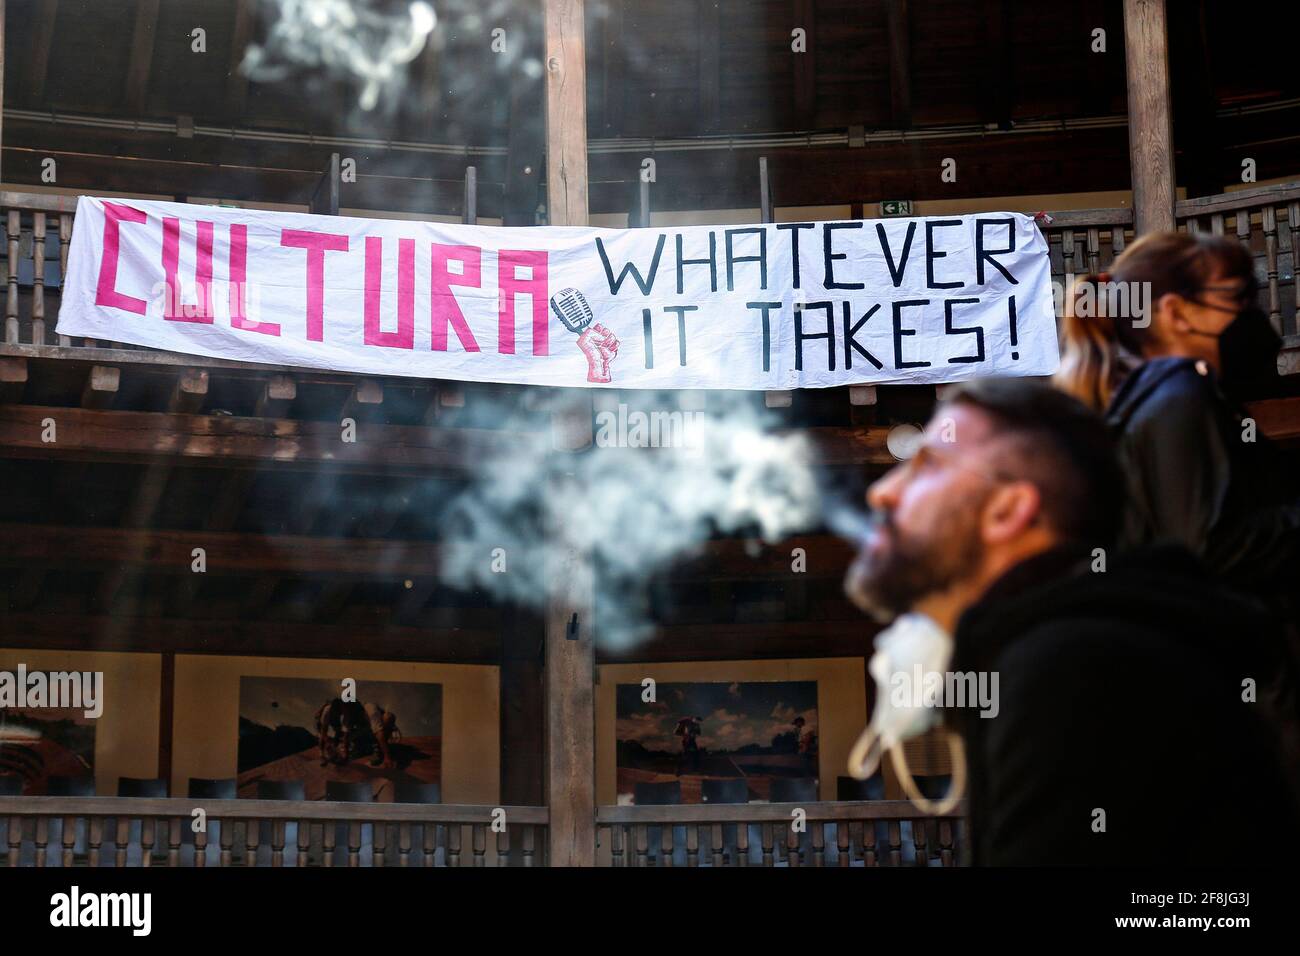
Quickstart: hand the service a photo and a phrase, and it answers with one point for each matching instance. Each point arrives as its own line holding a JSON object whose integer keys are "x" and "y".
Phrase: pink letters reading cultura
{"x": 451, "y": 267}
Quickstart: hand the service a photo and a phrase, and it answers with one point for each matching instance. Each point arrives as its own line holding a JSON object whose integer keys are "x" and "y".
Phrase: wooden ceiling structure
{"x": 113, "y": 91}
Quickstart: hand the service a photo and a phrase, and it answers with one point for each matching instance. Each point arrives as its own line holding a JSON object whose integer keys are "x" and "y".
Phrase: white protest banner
{"x": 776, "y": 306}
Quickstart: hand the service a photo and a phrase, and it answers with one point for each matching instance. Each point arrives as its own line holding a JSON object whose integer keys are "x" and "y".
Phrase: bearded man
{"x": 1125, "y": 731}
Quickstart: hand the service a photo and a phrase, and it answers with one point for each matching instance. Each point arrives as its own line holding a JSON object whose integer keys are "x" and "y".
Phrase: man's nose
{"x": 882, "y": 494}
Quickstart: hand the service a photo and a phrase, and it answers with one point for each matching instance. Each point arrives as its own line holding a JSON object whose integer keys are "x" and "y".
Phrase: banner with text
{"x": 776, "y": 306}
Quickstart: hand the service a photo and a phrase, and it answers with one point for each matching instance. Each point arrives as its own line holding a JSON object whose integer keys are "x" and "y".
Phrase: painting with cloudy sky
{"x": 754, "y": 731}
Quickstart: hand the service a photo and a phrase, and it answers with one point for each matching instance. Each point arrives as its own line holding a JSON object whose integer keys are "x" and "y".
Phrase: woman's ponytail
{"x": 1092, "y": 359}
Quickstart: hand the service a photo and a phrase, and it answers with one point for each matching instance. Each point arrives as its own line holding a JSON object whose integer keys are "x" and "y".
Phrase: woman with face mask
{"x": 1170, "y": 372}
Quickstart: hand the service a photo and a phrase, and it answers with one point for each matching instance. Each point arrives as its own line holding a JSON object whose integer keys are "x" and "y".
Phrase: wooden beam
{"x": 326, "y": 197}
{"x": 226, "y": 552}
{"x": 336, "y": 595}
{"x": 140, "y": 63}
{"x": 566, "y": 113}
{"x": 187, "y": 397}
{"x": 368, "y": 559}
{"x": 365, "y": 394}
{"x": 260, "y": 638}
{"x": 1151, "y": 150}
{"x": 739, "y": 641}
{"x": 245, "y": 159}
{"x": 13, "y": 376}
{"x": 826, "y": 556}
{"x": 1278, "y": 418}
{"x": 100, "y": 173}
{"x": 363, "y": 405}
{"x": 102, "y": 384}
{"x": 240, "y": 442}
{"x": 42, "y": 40}
{"x": 277, "y": 394}
{"x": 721, "y": 177}
{"x": 189, "y": 393}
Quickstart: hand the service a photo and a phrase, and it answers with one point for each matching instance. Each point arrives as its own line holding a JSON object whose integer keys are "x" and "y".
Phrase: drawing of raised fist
{"x": 600, "y": 345}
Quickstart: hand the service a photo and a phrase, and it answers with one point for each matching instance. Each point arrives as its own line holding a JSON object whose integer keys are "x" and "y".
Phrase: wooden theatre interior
{"x": 321, "y": 559}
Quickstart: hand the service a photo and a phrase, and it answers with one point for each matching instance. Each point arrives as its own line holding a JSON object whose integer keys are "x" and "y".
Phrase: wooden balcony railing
{"x": 1266, "y": 219}
{"x": 845, "y": 833}
{"x": 133, "y": 831}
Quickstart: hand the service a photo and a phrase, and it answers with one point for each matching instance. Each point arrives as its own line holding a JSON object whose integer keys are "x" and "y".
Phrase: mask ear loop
{"x": 955, "y": 792}
{"x": 865, "y": 756}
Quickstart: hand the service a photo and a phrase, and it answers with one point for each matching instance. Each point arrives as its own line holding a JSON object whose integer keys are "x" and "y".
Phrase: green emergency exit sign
{"x": 896, "y": 207}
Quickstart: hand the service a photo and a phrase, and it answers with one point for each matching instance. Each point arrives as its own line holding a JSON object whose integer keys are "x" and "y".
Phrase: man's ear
{"x": 1010, "y": 510}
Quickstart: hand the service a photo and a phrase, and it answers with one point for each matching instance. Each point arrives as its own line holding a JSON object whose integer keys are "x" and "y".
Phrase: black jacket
{"x": 1121, "y": 692}
{"x": 1192, "y": 478}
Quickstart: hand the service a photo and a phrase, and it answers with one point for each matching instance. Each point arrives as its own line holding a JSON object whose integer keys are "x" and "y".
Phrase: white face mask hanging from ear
{"x": 914, "y": 646}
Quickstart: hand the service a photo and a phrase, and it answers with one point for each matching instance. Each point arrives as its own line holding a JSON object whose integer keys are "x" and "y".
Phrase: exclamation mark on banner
{"x": 1011, "y": 316}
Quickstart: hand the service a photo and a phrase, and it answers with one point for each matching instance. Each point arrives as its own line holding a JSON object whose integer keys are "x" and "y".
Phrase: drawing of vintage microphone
{"x": 597, "y": 343}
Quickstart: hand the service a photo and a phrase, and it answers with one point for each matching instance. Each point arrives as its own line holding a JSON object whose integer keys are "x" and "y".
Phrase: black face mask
{"x": 1248, "y": 350}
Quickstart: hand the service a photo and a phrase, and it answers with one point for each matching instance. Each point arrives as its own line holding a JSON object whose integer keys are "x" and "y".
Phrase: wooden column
{"x": 570, "y": 661}
{"x": 570, "y": 650}
{"x": 1151, "y": 151}
{"x": 566, "y": 114}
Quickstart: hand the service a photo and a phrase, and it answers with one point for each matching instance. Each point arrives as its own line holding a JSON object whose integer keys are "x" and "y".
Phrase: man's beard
{"x": 889, "y": 582}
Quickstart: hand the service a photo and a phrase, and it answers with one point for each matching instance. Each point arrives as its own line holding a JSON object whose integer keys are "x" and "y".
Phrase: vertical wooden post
{"x": 570, "y": 661}
{"x": 570, "y": 648}
{"x": 1151, "y": 152}
{"x": 566, "y": 113}
{"x": 643, "y": 195}
{"x": 325, "y": 197}
{"x": 469, "y": 212}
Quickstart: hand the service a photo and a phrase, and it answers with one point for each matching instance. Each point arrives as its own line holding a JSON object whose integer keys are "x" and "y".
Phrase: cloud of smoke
{"x": 342, "y": 38}
{"x": 635, "y": 511}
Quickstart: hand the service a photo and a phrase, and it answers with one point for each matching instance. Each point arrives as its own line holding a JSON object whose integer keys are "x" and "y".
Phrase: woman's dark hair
{"x": 1098, "y": 350}
{"x": 1061, "y": 446}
